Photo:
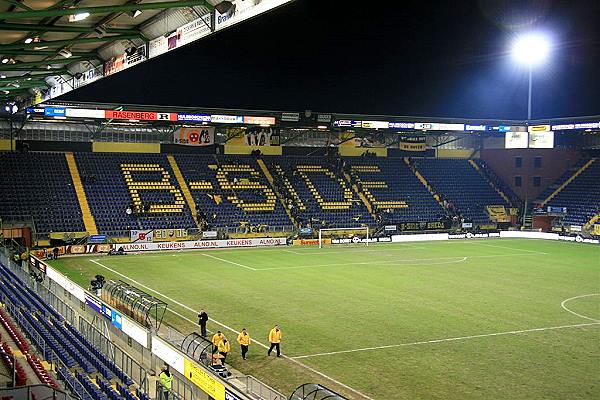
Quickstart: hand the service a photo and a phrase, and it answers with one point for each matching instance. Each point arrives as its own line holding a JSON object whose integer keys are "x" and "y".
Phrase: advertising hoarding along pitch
{"x": 140, "y": 115}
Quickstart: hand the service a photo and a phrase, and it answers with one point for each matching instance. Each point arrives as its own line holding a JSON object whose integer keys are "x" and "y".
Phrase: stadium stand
{"x": 581, "y": 195}
{"x": 231, "y": 191}
{"x": 63, "y": 343}
{"x": 142, "y": 182}
{"x": 38, "y": 185}
{"x": 318, "y": 191}
{"x": 390, "y": 184}
{"x": 460, "y": 183}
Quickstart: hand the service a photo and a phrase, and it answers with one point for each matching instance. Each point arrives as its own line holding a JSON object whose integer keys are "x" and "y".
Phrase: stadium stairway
{"x": 422, "y": 179}
{"x": 88, "y": 218}
{"x": 487, "y": 178}
{"x": 187, "y": 195}
{"x": 568, "y": 181}
{"x": 360, "y": 194}
{"x": 269, "y": 177}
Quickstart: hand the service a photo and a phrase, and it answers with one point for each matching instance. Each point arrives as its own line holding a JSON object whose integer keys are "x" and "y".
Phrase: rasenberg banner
{"x": 203, "y": 380}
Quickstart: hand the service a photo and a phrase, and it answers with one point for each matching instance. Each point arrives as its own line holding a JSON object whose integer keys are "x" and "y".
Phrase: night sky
{"x": 415, "y": 57}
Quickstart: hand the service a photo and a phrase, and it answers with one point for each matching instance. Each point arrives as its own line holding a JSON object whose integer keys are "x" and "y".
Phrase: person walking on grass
{"x": 244, "y": 340}
{"x": 224, "y": 349}
{"x": 275, "y": 340}
{"x": 216, "y": 339}
{"x": 202, "y": 319}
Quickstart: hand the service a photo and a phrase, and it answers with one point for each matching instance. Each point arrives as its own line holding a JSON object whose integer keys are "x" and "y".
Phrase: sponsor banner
{"x": 116, "y": 318}
{"x": 194, "y": 30}
{"x": 97, "y": 239}
{"x": 423, "y": 226}
{"x": 89, "y": 76}
{"x": 193, "y": 117}
{"x": 65, "y": 283}
{"x": 401, "y": 125}
{"x": 140, "y": 115}
{"x": 114, "y": 65}
{"x": 290, "y": 117}
{"x": 36, "y": 110}
{"x": 539, "y": 128}
{"x": 135, "y": 332}
{"x": 541, "y": 140}
{"x": 85, "y": 113}
{"x": 165, "y": 352}
{"x": 227, "y": 119}
{"x": 374, "y": 124}
{"x": 326, "y": 118}
{"x": 201, "y": 244}
{"x": 356, "y": 240}
{"x": 597, "y": 230}
{"x": 578, "y": 239}
{"x": 389, "y": 228}
{"x": 575, "y": 228}
{"x": 582, "y": 125}
{"x": 476, "y": 128}
{"x": 209, "y": 234}
{"x": 165, "y": 235}
{"x": 230, "y": 396}
{"x": 557, "y": 210}
{"x": 467, "y": 225}
{"x": 55, "y": 112}
{"x": 199, "y": 377}
{"x": 348, "y": 123}
{"x": 413, "y": 143}
{"x": 259, "y": 120}
{"x": 529, "y": 235}
{"x": 141, "y": 236}
{"x": 158, "y": 46}
{"x": 106, "y": 311}
{"x": 419, "y": 237}
{"x": 310, "y": 242}
{"x": 434, "y": 126}
{"x": 93, "y": 303}
{"x": 244, "y": 10}
{"x": 196, "y": 136}
{"x": 516, "y": 140}
{"x": 470, "y": 235}
{"x": 305, "y": 231}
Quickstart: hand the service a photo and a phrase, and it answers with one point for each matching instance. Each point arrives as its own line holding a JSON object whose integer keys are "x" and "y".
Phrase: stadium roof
{"x": 45, "y": 44}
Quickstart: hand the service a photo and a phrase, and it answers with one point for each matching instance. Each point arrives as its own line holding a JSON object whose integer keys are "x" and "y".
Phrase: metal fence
{"x": 261, "y": 390}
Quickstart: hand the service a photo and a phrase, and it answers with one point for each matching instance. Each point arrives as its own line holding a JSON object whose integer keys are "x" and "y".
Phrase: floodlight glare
{"x": 531, "y": 49}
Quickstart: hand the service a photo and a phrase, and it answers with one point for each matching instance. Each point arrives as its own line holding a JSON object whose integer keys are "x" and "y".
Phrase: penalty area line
{"x": 452, "y": 339}
{"x": 232, "y": 330}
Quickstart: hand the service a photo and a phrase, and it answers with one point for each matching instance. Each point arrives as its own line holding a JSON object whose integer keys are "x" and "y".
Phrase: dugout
{"x": 313, "y": 391}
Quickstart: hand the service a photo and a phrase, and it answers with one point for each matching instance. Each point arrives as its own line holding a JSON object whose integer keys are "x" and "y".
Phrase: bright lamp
{"x": 531, "y": 49}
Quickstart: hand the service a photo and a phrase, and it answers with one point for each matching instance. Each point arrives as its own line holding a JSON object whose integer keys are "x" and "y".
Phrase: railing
{"x": 263, "y": 391}
{"x": 34, "y": 392}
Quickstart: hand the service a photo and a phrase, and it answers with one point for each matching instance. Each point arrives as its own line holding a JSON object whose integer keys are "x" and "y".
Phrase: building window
{"x": 518, "y": 181}
{"x": 518, "y": 162}
{"x": 537, "y": 181}
{"x": 537, "y": 162}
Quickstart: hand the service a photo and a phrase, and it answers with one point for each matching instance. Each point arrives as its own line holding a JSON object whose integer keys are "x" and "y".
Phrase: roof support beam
{"x": 59, "y": 43}
{"x": 24, "y": 86}
{"x": 18, "y": 4}
{"x": 26, "y": 65}
{"x": 40, "y": 53}
{"x": 23, "y": 78}
{"x": 104, "y": 9}
{"x": 59, "y": 28}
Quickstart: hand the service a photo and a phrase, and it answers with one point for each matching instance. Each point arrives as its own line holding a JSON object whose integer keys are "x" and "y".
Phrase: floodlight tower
{"x": 531, "y": 50}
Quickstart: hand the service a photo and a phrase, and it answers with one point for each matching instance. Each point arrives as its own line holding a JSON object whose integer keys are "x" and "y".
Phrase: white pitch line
{"x": 230, "y": 262}
{"x": 507, "y": 248}
{"x": 448, "y": 339}
{"x": 579, "y": 297}
{"x": 232, "y": 330}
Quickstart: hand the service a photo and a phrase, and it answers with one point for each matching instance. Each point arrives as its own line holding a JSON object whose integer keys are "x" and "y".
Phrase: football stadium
{"x": 198, "y": 252}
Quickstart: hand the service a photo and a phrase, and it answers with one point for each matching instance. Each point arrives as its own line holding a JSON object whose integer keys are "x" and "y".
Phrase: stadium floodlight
{"x": 531, "y": 50}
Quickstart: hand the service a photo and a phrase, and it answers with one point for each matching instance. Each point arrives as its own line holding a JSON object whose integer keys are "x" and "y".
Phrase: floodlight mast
{"x": 531, "y": 50}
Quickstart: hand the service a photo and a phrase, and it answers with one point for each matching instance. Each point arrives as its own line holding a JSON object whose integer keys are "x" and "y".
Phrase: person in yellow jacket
{"x": 216, "y": 339}
{"x": 224, "y": 348}
{"x": 244, "y": 340}
{"x": 275, "y": 340}
{"x": 166, "y": 380}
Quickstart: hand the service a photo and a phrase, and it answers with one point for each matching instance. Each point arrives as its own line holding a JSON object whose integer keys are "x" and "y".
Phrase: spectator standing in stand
{"x": 202, "y": 319}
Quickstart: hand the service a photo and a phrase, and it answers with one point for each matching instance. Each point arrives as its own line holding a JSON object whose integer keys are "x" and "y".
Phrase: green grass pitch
{"x": 473, "y": 319}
